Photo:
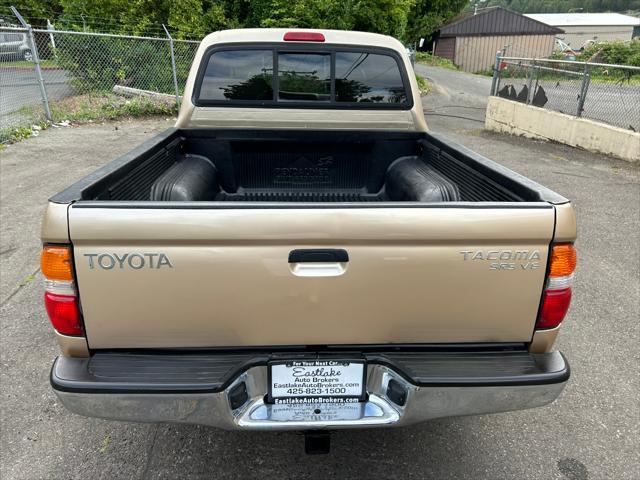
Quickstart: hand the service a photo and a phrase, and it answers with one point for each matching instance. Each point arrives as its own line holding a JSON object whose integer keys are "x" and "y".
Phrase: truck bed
{"x": 377, "y": 168}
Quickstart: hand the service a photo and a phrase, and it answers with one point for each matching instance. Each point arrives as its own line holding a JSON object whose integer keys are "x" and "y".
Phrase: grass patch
{"x": 44, "y": 64}
{"x": 104, "y": 447}
{"x": 632, "y": 80}
{"x": 595, "y": 77}
{"x": 425, "y": 87}
{"x": 553, "y": 71}
{"x": 100, "y": 107}
{"x": 427, "y": 59}
{"x": 13, "y": 135}
{"x": 89, "y": 108}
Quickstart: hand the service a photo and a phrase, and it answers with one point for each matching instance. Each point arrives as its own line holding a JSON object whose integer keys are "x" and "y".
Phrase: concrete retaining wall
{"x": 507, "y": 116}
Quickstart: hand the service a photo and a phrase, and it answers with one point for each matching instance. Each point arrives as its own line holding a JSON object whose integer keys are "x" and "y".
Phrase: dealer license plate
{"x": 316, "y": 381}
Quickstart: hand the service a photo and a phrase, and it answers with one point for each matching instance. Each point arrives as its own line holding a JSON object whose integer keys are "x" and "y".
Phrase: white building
{"x": 581, "y": 29}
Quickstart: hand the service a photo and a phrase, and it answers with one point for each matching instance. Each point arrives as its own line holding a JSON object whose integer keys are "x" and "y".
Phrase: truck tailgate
{"x": 181, "y": 276}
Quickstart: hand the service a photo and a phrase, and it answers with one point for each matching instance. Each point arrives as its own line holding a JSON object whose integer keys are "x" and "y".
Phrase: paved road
{"x": 20, "y": 89}
{"x": 459, "y": 99}
{"x": 462, "y": 93}
{"x": 617, "y": 104}
{"x": 591, "y": 432}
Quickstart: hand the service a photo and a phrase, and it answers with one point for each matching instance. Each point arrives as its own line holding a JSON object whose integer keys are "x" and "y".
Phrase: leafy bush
{"x": 424, "y": 86}
{"x": 13, "y": 135}
{"x": 621, "y": 53}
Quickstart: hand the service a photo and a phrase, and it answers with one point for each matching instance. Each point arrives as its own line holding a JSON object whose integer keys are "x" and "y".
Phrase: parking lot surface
{"x": 591, "y": 432}
{"x": 20, "y": 91}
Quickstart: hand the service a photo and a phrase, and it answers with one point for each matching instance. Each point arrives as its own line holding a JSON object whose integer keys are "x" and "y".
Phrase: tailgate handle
{"x": 318, "y": 255}
{"x": 318, "y": 262}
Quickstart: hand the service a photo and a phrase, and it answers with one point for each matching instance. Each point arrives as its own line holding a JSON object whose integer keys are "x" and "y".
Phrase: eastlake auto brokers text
{"x": 314, "y": 383}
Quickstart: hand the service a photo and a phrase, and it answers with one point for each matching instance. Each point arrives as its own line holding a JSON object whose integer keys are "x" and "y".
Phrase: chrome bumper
{"x": 417, "y": 404}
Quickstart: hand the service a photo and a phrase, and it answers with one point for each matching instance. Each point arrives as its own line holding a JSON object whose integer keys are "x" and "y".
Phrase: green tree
{"x": 119, "y": 16}
{"x": 272, "y": 13}
{"x": 215, "y": 18}
{"x": 427, "y": 16}
{"x": 382, "y": 16}
{"x": 35, "y": 11}
{"x": 404, "y": 19}
{"x": 333, "y": 14}
{"x": 187, "y": 16}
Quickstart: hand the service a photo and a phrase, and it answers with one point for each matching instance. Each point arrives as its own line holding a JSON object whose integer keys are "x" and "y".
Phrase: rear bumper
{"x": 228, "y": 391}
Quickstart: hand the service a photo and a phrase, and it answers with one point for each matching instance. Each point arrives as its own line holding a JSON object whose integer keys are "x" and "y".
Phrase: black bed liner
{"x": 347, "y": 167}
{"x": 292, "y": 196}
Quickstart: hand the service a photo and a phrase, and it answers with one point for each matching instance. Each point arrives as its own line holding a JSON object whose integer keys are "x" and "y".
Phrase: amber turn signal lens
{"x": 56, "y": 263}
{"x": 563, "y": 260}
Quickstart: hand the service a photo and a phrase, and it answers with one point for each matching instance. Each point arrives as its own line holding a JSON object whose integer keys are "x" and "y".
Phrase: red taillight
{"x": 63, "y": 313}
{"x": 555, "y": 304}
{"x": 303, "y": 37}
{"x": 557, "y": 294}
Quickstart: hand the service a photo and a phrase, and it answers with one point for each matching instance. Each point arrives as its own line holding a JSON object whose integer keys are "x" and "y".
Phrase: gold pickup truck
{"x": 300, "y": 252}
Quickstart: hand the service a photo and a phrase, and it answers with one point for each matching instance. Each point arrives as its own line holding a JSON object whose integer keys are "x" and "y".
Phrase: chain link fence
{"x": 601, "y": 92}
{"x": 45, "y": 74}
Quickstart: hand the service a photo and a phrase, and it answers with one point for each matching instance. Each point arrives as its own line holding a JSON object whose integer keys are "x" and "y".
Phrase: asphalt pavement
{"x": 19, "y": 87}
{"x": 458, "y": 100}
{"x": 591, "y": 432}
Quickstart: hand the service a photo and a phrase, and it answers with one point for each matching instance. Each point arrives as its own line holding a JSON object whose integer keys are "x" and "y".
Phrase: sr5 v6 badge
{"x": 135, "y": 261}
{"x": 505, "y": 259}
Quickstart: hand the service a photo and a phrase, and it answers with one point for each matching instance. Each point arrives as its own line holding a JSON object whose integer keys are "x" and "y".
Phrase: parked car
{"x": 15, "y": 45}
{"x": 300, "y": 253}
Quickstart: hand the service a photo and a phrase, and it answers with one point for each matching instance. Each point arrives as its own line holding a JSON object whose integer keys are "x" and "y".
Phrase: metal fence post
{"x": 496, "y": 73}
{"x": 583, "y": 89}
{"x": 173, "y": 65}
{"x": 36, "y": 62}
{"x": 50, "y": 28}
{"x": 535, "y": 87}
{"x": 530, "y": 72}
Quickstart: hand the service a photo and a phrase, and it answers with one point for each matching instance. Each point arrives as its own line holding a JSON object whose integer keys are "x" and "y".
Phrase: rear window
{"x": 238, "y": 75}
{"x": 368, "y": 77}
{"x": 304, "y": 77}
{"x": 284, "y": 76}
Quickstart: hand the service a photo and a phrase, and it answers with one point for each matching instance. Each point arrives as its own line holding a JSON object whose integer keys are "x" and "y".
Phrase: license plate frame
{"x": 326, "y": 397}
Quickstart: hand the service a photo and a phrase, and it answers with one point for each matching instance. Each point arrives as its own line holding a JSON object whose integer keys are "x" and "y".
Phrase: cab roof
{"x": 276, "y": 35}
